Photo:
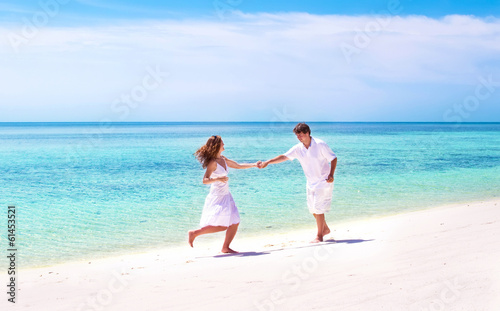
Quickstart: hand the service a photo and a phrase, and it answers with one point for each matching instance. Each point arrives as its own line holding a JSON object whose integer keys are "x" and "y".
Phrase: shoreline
{"x": 446, "y": 256}
{"x": 252, "y": 238}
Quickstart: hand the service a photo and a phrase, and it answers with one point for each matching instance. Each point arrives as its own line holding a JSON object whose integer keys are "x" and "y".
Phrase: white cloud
{"x": 248, "y": 65}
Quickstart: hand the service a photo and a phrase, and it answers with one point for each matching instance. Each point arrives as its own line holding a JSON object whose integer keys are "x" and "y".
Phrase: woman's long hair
{"x": 209, "y": 151}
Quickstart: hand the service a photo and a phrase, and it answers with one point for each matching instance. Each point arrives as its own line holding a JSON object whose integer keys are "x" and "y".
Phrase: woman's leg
{"x": 230, "y": 233}
{"x": 205, "y": 230}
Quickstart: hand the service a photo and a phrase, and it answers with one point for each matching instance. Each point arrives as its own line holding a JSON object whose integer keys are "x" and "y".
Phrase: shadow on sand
{"x": 252, "y": 254}
{"x": 354, "y": 241}
{"x": 241, "y": 254}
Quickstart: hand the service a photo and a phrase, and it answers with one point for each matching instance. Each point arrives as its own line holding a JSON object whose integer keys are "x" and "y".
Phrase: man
{"x": 318, "y": 162}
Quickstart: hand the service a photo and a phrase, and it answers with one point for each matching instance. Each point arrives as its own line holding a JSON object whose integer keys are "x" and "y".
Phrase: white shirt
{"x": 315, "y": 161}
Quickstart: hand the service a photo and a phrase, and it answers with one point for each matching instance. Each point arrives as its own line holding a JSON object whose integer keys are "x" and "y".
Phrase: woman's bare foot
{"x": 228, "y": 251}
{"x": 191, "y": 237}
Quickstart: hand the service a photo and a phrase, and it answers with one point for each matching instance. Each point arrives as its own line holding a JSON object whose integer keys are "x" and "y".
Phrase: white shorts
{"x": 319, "y": 200}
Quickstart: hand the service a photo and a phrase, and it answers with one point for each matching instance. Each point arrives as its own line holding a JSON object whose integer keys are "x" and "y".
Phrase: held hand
{"x": 263, "y": 164}
{"x": 329, "y": 179}
{"x": 223, "y": 179}
{"x": 258, "y": 164}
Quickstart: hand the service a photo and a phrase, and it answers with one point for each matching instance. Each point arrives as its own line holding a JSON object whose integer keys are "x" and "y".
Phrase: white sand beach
{"x": 445, "y": 258}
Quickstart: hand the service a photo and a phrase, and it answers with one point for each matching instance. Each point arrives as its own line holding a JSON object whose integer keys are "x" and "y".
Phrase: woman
{"x": 219, "y": 212}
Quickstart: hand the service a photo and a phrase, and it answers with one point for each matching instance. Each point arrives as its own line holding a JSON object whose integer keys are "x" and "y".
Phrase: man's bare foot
{"x": 191, "y": 237}
{"x": 317, "y": 239}
{"x": 228, "y": 251}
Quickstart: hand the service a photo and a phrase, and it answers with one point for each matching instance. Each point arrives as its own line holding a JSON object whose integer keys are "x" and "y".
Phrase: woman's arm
{"x": 240, "y": 166}
{"x": 211, "y": 167}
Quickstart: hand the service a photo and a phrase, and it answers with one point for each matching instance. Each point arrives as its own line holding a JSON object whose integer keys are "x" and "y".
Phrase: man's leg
{"x": 324, "y": 197}
{"x": 320, "y": 222}
{"x": 316, "y": 202}
{"x": 326, "y": 229}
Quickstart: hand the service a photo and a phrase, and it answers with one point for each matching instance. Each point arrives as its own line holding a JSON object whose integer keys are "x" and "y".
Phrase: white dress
{"x": 219, "y": 208}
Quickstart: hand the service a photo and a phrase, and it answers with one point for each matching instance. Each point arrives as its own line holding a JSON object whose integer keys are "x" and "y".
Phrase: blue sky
{"x": 242, "y": 60}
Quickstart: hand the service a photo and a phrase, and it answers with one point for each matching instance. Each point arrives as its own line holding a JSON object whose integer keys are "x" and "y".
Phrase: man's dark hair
{"x": 302, "y": 128}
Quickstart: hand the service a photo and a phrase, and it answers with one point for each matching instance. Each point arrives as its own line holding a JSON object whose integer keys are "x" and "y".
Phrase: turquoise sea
{"x": 86, "y": 190}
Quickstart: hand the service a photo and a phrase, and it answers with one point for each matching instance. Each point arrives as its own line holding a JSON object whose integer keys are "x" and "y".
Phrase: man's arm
{"x": 332, "y": 170}
{"x": 278, "y": 159}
